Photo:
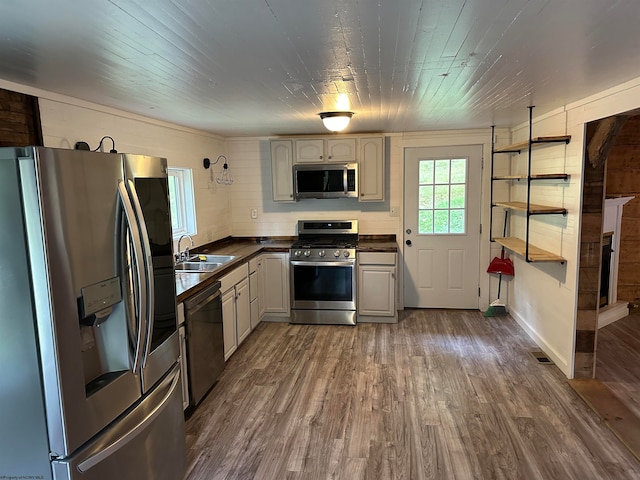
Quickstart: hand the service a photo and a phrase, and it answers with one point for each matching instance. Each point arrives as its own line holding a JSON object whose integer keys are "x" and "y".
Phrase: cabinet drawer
{"x": 377, "y": 258}
{"x": 236, "y": 276}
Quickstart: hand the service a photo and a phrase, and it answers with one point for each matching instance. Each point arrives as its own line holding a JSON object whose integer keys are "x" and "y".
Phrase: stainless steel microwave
{"x": 325, "y": 180}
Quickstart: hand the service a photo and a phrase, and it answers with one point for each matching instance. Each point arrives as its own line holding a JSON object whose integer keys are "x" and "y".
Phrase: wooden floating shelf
{"x": 533, "y": 208}
{"x": 537, "y": 176}
{"x": 535, "y": 142}
{"x": 518, "y": 246}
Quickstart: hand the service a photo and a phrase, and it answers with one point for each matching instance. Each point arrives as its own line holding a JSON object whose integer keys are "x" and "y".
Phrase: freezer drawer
{"x": 147, "y": 443}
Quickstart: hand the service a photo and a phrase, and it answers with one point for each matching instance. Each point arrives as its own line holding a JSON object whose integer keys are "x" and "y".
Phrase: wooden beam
{"x": 603, "y": 139}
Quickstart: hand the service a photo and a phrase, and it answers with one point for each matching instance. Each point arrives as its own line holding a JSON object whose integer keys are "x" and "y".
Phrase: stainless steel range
{"x": 323, "y": 272}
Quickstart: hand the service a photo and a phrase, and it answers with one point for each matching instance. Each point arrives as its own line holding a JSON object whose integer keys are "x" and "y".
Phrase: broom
{"x": 496, "y": 308}
{"x": 500, "y": 265}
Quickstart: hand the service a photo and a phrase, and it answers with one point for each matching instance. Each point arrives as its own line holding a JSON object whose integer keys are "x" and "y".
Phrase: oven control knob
{"x": 346, "y": 254}
{"x": 336, "y": 253}
{"x": 307, "y": 253}
{"x": 297, "y": 253}
{"x": 321, "y": 253}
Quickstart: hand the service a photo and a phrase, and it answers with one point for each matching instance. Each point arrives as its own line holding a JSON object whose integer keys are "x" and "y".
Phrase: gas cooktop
{"x": 325, "y": 239}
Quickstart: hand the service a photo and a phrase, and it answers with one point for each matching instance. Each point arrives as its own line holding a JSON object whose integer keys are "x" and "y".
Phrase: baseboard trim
{"x": 612, "y": 313}
{"x": 560, "y": 362}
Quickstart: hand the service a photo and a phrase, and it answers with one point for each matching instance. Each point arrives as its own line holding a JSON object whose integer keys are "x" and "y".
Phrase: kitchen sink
{"x": 197, "y": 267}
{"x": 203, "y": 263}
{"x": 219, "y": 259}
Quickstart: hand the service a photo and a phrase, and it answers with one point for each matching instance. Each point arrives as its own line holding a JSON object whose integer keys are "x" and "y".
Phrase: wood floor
{"x": 440, "y": 395}
{"x": 618, "y": 360}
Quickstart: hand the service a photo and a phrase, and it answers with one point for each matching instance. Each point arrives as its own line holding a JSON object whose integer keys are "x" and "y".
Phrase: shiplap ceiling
{"x": 268, "y": 67}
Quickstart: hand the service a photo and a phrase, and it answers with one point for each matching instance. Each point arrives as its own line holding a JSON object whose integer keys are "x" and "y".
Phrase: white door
{"x": 442, "y": 226}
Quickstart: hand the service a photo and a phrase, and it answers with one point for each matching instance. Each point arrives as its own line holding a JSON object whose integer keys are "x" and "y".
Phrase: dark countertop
{"x": 377, "y": 246}
{"x": 245, "y": 249}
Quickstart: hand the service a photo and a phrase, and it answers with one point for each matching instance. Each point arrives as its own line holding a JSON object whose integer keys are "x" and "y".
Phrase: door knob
{"x": 408, "y": 242}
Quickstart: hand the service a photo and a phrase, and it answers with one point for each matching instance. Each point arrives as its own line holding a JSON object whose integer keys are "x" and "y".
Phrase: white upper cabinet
{"x": 310, "y": 151}
{"x": 368, "y": 152}
{"x": 281, "y": 170}
{"x": 341, "y": 150}
{"x": 371, "y": 169}
{"x": 335, "y": 150}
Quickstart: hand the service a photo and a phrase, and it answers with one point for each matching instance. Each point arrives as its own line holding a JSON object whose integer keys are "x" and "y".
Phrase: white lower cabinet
{"x": 236, "y": 318}
{"x": 276, "y": 284}
{"x": 243, "y": 311}
{"x": 229, "y": 322}
{"x": 256, "y": 287}
{"x": 377, "y": 287}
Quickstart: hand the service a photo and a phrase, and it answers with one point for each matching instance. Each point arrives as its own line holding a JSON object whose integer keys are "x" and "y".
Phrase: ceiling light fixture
{"x": 336, "y": 121}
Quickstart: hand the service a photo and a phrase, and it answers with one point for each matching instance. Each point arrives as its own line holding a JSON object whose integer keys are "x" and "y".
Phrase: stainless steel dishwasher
{"x": 205, "y": 348}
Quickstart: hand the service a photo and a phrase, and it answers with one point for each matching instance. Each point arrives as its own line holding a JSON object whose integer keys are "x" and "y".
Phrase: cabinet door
{"x": 261, "y": 282}
{"x": 341, "y": 150}
{"x": 276, "y": 285}
{"x": 229, "y": 322}
{"x": 255, "y": 314}
{"x": 253, "y": 285}
{"x": 309, "y": 151}
{"x": 282, "y": 170}
{"x": 183, "y": 366}
{"x": 243, "y": 310}
{"x": 376, "y": 290}
{"x": 371, "y": 170}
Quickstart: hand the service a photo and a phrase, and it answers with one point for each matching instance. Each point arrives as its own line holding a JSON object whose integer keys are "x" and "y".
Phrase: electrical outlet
{"x": 209, "y": 235}
{"x": 254, "y": 213}
{"x": 393, "y": 212}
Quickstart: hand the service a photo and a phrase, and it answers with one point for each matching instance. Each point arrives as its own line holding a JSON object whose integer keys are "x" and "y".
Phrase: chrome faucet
{"x": 182, "y": 256}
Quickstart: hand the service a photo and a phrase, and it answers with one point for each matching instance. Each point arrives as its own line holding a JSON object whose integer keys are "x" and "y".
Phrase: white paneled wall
{"x": 542, "y": 295}
{"x": 66, "y": 121}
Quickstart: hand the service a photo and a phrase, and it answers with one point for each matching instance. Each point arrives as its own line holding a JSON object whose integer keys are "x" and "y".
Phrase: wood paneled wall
{"x": 589, "y": 270}
{"x": 623, "y": 179}
{"x": 19, "y": 119}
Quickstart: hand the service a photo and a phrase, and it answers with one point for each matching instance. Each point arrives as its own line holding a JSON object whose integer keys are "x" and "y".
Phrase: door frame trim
{"x": 446, "y": 139}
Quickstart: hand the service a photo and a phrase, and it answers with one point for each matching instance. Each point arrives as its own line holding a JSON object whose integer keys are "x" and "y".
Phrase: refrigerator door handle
{"x": 139, "y": 275}
{"x": 148, "y": 266}
{"x": 121, "y": 442}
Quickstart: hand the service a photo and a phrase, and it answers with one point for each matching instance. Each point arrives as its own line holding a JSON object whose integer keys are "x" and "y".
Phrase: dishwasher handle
{"x": 199, "y": 300}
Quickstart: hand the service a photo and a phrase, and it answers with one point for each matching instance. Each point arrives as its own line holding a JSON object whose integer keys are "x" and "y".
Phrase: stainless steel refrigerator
{"x": 90, "y": 382}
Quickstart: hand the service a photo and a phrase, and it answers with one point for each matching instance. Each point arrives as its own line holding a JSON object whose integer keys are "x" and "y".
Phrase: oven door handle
{"x": 323, "y": 264}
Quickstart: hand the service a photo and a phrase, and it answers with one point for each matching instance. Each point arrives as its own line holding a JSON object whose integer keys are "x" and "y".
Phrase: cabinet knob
{"x": 329, "y": 157}
{"x": 320, "y": 157}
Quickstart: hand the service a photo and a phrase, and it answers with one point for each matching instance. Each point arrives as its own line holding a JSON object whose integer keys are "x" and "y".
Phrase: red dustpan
{"x": 503, "y": 266}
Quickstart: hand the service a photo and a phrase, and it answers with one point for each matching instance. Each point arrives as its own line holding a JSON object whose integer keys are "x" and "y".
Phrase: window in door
{"x": 442, "y": 193}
